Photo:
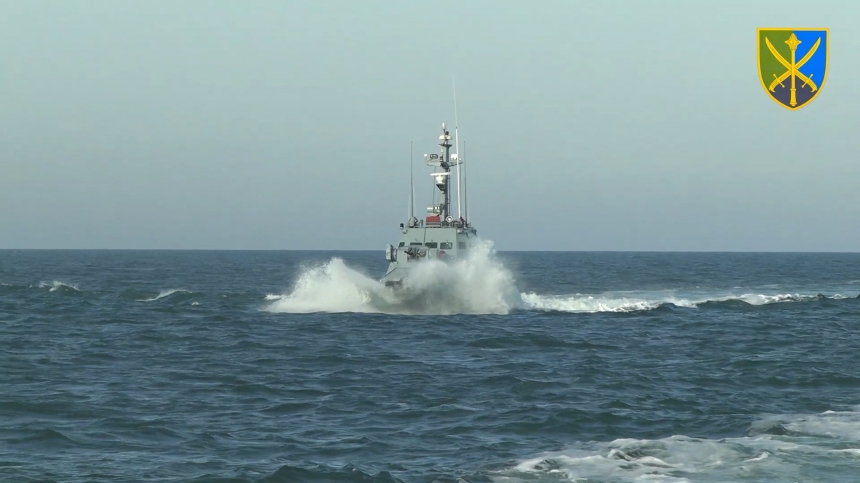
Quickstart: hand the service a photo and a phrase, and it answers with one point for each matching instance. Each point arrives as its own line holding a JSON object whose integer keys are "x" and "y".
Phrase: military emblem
{"x": 792, "y": 64}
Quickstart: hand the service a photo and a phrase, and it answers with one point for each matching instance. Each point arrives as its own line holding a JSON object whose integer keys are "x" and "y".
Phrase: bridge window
{"x": 431, "y": 244}
{"x": 461, "y": 245}
{"x": 401, "y": 244}
{"x": 415, "y": 244}
{"x": 446, "y": 245}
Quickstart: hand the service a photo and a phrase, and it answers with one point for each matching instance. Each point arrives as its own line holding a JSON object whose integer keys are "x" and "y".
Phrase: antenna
{"x": 457, "y": 142}
{"x": 465, "y": 193}
{"x": 411, "y": 185}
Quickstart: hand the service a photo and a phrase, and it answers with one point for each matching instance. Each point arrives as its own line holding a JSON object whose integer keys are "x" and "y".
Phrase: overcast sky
{"x": 633, "y": 125}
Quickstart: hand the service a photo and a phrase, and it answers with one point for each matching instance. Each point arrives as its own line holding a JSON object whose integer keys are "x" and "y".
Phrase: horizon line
{"x": 373, "y": 250}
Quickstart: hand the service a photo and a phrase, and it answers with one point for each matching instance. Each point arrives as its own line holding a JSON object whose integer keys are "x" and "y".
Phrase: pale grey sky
{"x": 630, "y": 125}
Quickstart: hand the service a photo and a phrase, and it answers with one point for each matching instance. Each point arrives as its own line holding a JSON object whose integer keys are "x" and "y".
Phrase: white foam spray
{"x": 476, "y": 284}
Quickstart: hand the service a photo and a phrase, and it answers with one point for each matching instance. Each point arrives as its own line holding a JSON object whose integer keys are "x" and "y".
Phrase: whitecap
{"x": 625, "y": 302}
{"x": 165, "y": 293}
{"x": 57, "y": 285}
{"x": 814, "y": 439}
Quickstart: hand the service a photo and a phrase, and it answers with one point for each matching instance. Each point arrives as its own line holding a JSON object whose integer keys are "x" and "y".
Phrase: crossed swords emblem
{"x": 792, "y": 67}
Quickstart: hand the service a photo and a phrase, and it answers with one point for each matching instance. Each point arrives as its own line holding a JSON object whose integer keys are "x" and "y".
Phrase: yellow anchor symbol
{"x": 792, "y": 67}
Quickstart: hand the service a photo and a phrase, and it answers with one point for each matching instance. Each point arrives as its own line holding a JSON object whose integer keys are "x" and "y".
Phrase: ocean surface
{"x": 290, "y": 366}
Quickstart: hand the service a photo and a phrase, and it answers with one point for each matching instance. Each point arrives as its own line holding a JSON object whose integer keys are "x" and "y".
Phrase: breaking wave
{"x": 618, "y": 303}
{"x": 776, "y": 448}
{"x": 480, "y": 284}
{"x": 57, "y": 286}
{"x": 164, "y": 294}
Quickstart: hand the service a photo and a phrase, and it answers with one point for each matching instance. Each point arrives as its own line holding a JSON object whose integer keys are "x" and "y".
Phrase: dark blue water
{"x": 182, "y": 366}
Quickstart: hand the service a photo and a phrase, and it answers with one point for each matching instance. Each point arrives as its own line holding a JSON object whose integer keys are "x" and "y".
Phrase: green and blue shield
{"x": 792, "y": 64}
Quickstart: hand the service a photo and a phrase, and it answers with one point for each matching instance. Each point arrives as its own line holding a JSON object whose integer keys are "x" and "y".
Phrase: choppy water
{"x": 598, "y": 367}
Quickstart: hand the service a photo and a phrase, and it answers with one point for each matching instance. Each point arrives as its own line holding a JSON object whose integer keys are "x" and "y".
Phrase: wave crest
{"x": 619, "y": 303}
{"x": 164, "y": 294}
{"x": 57, "y": 286}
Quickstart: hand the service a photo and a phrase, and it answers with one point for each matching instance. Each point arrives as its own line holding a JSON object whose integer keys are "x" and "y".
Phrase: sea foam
{"x": 828, "y": 439}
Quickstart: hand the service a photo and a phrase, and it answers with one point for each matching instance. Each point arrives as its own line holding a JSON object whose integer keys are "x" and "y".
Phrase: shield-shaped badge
{"x": 792, "y": 64}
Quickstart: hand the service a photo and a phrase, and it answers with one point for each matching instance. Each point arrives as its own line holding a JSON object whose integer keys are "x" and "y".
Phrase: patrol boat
{"x": 439, "y": 236}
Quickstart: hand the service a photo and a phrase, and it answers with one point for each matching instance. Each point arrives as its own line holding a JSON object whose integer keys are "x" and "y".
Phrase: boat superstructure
{"x": 439, "y": 236}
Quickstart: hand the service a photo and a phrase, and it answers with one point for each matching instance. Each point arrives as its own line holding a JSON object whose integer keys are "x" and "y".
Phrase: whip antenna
{"x": 465, "y": 194}
{"x": 457, "y": 149}
{"x": 411, "y": 185}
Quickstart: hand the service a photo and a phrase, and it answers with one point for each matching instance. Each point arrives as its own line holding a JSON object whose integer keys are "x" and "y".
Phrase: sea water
{"x": 231, "y": 366}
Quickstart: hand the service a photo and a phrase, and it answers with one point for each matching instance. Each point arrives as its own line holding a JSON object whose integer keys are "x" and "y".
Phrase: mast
{"x": 443, "y": 182}
{"x": 442, "y": 179}
{"x": 457, "y": 143}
